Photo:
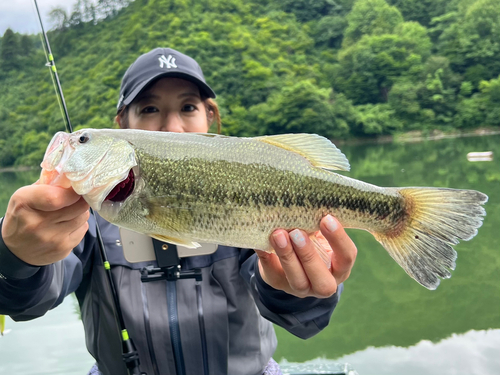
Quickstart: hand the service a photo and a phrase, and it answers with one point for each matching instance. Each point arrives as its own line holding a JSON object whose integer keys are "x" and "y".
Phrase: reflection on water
{"x": 475, "y": 352}
{"x": 317, "y": 366}
{"x": 51, "y": 345}
{"x": 382, "y": 310}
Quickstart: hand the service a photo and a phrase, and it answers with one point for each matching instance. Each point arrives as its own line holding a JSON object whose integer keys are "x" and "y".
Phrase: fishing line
{"x": 52, "y": 78}
{"x": 129, "y": 352}
{"x": 55, "y": 77}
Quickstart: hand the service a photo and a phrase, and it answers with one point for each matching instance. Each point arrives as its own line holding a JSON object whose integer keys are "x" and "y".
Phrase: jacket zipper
{"x": 147, "y": 325}
{"x": 201, "y": 322}
{"x": 175, "y": 333}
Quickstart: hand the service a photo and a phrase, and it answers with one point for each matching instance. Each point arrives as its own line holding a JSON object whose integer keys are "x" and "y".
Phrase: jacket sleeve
{"x": 28, "y": 292}
{"x": 303, "y": 317}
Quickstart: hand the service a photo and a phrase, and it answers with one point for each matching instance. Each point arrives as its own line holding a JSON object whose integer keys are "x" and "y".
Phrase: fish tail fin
{"x": 437, "y": 219}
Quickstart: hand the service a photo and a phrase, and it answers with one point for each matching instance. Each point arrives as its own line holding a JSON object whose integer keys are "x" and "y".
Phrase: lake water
{"x": 385, "y": 322}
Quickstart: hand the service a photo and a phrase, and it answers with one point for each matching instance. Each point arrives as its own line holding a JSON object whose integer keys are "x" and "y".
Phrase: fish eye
{"x": 83, "y": 138}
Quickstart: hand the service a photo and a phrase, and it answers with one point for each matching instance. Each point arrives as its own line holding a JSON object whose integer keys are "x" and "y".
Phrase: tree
{"x": 304, "y": 107}
{"x": 421, "y": 11}
{"x": 482, "y": 108}
{"x": 10, "y": 51}
{"x": 373, "y": 119}
{"x": 26, "y": 45}
{"x": 477, "y": 73}
{"x": 491, "y": 92}
{"x": 370, "y": 17}
{"x": 404, "y": 100}
{"x": 329, "y": 30}
{"x": 308, "y": 10}
{"x": 369, "y": 68}
{"x": 413, "y": 31}
{"x": 471, "y": 112}
{"x": 474, "y": 38}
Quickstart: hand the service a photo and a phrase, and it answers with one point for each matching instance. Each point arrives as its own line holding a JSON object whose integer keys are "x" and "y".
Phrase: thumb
{"x": 47, "y": 198}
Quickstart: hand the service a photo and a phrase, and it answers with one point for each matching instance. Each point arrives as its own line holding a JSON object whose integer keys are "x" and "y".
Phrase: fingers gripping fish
{"x": 186, "y": 188}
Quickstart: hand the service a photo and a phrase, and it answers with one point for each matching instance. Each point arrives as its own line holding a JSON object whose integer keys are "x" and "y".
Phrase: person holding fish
{"x": 48, "y": 250}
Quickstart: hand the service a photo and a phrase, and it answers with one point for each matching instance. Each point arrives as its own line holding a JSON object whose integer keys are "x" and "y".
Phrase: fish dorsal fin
{"x": 318, "y": 150}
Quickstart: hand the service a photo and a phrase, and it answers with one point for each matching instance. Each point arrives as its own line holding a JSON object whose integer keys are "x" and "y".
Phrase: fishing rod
{"x": 129, "y": 352}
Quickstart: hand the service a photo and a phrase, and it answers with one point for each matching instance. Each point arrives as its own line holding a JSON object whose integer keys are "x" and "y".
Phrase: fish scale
{"x": 218, "y": 197}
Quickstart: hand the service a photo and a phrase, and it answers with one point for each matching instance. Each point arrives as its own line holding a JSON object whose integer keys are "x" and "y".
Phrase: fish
{"x": 191, "y": 188}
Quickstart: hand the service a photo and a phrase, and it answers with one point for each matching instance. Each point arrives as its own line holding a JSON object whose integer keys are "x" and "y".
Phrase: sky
{"x": 20, "y": 15}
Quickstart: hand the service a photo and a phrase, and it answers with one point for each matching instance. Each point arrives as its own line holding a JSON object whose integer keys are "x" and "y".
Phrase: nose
{"x": 172, "y": 123}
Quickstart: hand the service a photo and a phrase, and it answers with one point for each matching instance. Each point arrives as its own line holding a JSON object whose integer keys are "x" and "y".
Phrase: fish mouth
{"x": 123, "y": 189}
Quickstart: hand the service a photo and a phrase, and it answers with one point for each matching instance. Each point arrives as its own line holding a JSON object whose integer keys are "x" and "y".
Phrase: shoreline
{"x": 418, "y": 136}
{"x": 17, "y": 169}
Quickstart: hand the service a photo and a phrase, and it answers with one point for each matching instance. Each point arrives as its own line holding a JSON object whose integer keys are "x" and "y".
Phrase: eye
{"x": 83, "y": 138}
{"x": 149, "y": 109}
{"x": 188, "y": 108}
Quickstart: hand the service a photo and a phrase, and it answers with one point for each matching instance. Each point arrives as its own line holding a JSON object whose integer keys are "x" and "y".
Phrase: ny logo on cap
{"x": 169, "y": 62}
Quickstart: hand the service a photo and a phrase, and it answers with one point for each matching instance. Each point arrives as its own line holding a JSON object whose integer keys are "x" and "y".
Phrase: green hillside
{"x": 339, "y": 68}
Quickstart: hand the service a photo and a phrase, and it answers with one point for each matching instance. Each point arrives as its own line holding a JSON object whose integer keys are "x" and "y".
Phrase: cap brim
{"x": 204, "y": 88}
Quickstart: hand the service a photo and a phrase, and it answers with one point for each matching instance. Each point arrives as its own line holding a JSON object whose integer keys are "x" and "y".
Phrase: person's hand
{"x": 44, "y": 223}
{"x": 298, "y": 269}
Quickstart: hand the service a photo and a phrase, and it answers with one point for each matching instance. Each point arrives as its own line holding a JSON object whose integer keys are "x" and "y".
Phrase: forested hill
{"x": 339, "y": 68}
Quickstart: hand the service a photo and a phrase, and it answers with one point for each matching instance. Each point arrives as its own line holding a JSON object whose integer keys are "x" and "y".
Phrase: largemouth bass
{"x": 186, "y": 188}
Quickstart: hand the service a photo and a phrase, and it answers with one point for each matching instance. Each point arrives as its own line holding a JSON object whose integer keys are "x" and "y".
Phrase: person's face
{"x": 170, "y": 104}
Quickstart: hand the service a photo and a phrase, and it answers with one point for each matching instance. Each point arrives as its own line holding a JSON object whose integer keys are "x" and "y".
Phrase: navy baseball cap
{"x": 160, "y": 62}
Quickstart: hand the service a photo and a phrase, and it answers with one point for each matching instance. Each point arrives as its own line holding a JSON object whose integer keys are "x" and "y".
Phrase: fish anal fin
{"x": 175, "y": 241}
{"x": 318, "y": 150}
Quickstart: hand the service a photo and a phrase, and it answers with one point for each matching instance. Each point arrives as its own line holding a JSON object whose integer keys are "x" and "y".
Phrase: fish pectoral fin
{"x": 175, "y": 241}
{"x": 317, "y": 149}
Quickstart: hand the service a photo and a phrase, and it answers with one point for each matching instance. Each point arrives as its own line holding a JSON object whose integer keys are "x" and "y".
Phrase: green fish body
{"x": 188, "y": 188}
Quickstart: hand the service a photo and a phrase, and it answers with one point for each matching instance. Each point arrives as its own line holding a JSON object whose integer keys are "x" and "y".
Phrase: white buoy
{"x": 480, "y": 156}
